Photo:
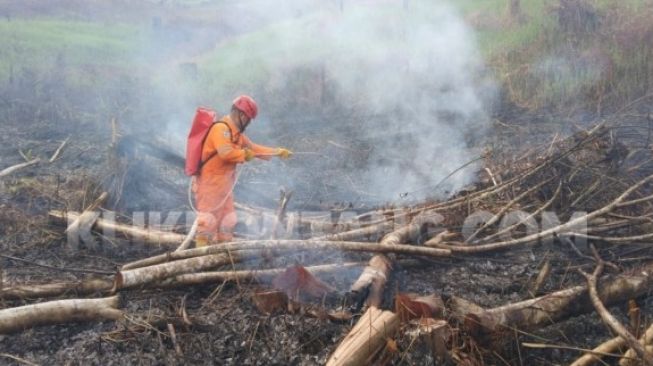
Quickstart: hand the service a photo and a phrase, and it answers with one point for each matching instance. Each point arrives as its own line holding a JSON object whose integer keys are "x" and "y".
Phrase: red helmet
{"x": 247, "y": 105}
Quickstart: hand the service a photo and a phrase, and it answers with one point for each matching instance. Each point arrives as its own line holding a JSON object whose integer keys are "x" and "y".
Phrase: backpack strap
{"x": 214, "y": 153}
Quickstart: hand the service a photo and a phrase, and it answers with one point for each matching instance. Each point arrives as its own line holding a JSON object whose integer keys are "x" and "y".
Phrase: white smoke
{"x": 409, "y": 70}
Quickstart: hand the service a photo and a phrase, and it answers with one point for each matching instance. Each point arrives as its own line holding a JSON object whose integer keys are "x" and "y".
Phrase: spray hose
{"x": 190, "y": 192}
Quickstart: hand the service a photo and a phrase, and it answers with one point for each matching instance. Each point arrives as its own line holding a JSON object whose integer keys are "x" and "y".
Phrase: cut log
{"x": 440, "y": 238}
{"x": 611, "y": 346}
{"x": 608, "y": 319}
{"x": 292, "y": 245}
{"x": 370, "y": 233}
{"x": 16, "y": 167}
{"x": 106, "y": 285}
{"x": 58, "y": 312}
{"x": 646, "y": 340}
{"x": 56, "y": 289}
{"x": 84, "y": 222}
{"x": 366, "y": 338}
{"x": 145, "y": 275}
{"x": 261, "y": 275}
{"x": 368, "y": 288}
{"x": 554, "y": 307}
{"x": 402, "y": 235}
{"x": 134, "y": 233}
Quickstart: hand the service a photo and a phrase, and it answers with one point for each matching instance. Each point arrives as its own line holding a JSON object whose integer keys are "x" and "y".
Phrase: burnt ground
{"x": 228, "y": 328}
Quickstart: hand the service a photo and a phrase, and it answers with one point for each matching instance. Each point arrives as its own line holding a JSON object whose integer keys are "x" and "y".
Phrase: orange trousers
{"x": 215, "y": 205}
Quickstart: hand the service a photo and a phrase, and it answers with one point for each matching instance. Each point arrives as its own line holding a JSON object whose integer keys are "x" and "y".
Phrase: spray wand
{"x": 293, "y": 153}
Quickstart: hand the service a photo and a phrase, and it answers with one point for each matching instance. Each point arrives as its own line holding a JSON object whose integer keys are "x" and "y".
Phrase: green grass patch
{"x": 41, "y": 44}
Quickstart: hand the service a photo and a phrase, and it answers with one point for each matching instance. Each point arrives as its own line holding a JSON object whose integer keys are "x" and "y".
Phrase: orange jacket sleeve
{"x": 262, "y": 152}
{"x": 220, "y": 136}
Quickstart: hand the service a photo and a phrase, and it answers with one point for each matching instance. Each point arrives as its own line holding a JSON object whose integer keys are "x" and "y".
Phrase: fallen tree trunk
{"x": 107, "y": 285}
{"x": 137, "y": 276}
{"x": 369, "y": 286}
{"x": 13, "y": 168}
{"x": 145, "y": 275}
{"x": 263, "y": 275}
{"x": 57, "y": 312}
{"x": 366, "y": 338}
{"x": 554, "y": 307}
{"x": 402, "y": 235}
{"x": 56, "y": 289}
{"x": 293, "y": 245}
{"x": 134, "y": 233}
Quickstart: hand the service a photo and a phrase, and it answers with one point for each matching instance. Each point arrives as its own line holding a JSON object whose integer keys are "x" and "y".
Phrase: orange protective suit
{"x": 214, "y": 186}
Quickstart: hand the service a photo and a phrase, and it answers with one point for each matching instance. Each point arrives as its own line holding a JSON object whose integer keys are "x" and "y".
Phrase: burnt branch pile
{"x": 586, "y": 198}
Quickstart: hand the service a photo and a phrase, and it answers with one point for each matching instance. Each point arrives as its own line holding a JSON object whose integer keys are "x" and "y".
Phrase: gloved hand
{"x": 249, "y": 154}
{"x": 284, "y": 153}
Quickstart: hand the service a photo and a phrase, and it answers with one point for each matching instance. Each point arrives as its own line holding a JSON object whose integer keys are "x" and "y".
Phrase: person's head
{"x": 243, "y": 111}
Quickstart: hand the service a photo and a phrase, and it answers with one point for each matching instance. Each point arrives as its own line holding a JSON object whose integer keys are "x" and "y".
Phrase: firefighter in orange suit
{"x": 225, "y": 147}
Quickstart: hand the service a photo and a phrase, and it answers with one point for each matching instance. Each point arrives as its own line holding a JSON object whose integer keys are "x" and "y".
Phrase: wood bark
{"x": 440, "y": 238}
{"x": 56, "y": 289}
{"x": 366, "y": 338}
{"x": 371, "y": 283}
{"x": 553, "y": 307}
{"x": 149, "y": 236}
{"x": 613, "y": 323}
{"x": 263, "y": 275}
{"x": 403, "y": 235}
{"x": 630, "y": 356}
{"x": 85, "y": 221}
{"x": 371, "y": 233}
{"x": 294, "y": 245}
{"x": 106, "y": 285}
{"x": 145, "y": 275}
{"x": 57, "y": 312}
{"x": 16, "y": 167}
{"x": 611, "y": 346}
